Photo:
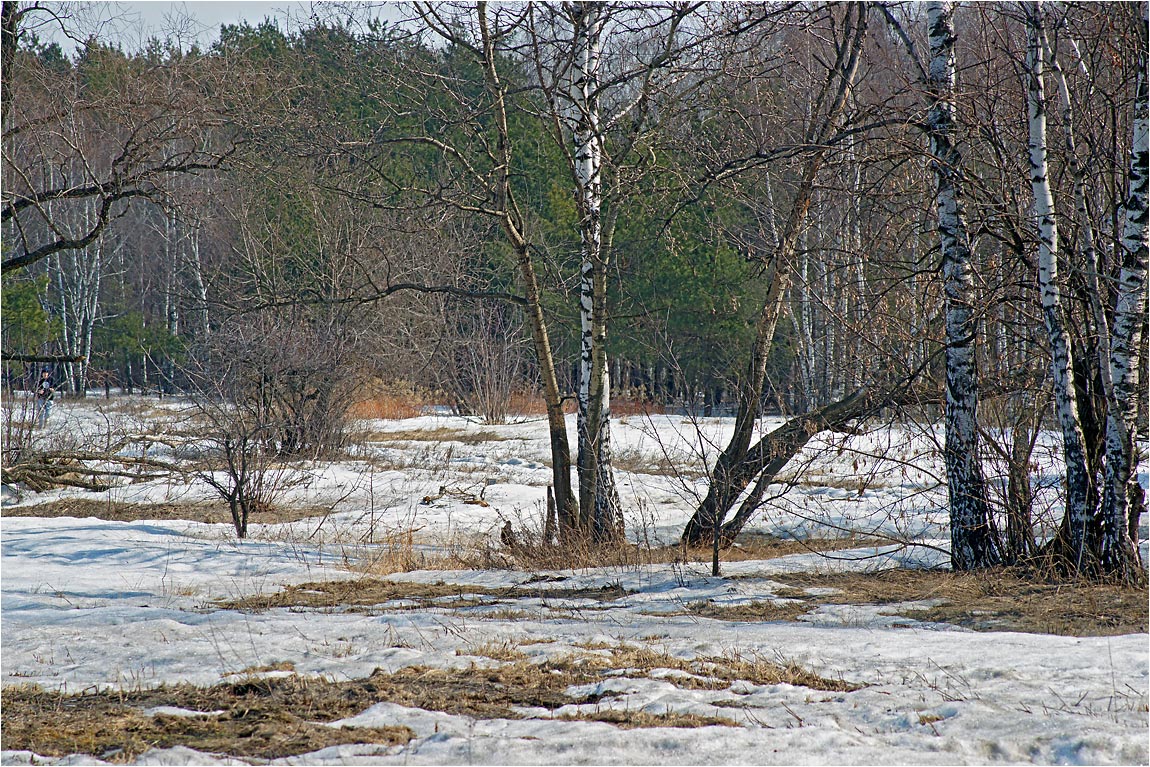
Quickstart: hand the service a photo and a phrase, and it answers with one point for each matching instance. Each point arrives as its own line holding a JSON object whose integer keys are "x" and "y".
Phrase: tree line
{"x": 830, "y": 211}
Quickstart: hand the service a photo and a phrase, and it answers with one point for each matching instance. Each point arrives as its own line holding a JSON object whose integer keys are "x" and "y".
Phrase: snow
{"x": 91, "y": 603}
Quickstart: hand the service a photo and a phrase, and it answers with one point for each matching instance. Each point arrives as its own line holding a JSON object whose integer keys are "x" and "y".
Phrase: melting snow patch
{"x": 177, "y": 711}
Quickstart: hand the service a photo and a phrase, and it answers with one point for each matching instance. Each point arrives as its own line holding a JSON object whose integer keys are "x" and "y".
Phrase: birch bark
{"x": 1123, "y": 498}
{"x": 974, "y": 543}
{"x": 598, "y": 498}
{"x": 1079, "y": 488}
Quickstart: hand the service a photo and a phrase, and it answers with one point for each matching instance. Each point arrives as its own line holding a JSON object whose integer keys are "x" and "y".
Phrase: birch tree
{"x": 1079, "y": 487}
{"x": 1123, "y": 497}
{"x": 974, "y": 542}
{"x": 1096, "y": 537}
{"x": 598, "y": 498}
{"x": 601, "y": 68}
{"x": 124, "y": 128}
{"x": 475, "y": 175}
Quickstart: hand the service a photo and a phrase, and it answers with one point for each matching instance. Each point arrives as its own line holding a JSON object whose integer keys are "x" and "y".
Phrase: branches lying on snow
{"x": 40, "y": 471}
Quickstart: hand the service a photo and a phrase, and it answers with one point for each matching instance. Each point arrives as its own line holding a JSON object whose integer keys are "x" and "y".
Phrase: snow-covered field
{"x": 93, "y": 604}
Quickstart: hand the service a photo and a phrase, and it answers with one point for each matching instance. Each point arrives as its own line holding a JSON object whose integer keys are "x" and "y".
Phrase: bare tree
{"x": 739, "y": 463}
{"x": 74, "y": 142}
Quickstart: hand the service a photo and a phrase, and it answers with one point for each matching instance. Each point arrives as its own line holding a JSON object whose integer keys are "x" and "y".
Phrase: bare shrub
{"x": 530, "y": 542}
{"x": 290, "y": 376}
{"x": 18, "y": 424}
{"x": 270, "y": 389}
{"x": 242, "y": 470}
{"x": 489, "y": 361}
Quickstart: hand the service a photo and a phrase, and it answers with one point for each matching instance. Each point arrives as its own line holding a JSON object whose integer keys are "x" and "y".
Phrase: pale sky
{"x": 131, "y": 23}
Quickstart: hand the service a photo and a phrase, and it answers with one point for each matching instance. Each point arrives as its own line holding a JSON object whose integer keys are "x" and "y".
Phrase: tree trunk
{"x": 1123, "y": 498}
{"x": 1019, "y": 498}
{"x": 598, "y": 497}
{"x": 974, "y": 543}
{"x": 732, "y": 472}
{"x": 1080, "y": 493}
{"x": 765, "y": 460}
{"x": 566, "y": 504}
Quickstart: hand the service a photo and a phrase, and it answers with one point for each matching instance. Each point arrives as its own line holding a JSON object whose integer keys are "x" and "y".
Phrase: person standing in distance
{"x": 45, "y": 390}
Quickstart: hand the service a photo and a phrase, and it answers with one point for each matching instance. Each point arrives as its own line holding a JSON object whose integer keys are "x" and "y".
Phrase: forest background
{"x": 728, "y": 209}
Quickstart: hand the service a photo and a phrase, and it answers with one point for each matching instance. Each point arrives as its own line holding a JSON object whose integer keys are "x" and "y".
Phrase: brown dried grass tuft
{"x": 622, "y": 406}
{"x": 118, "y": 511}
{"x": 637, "y": 461}
{"x": 264, "y": 719}
{"x": 371, "y": 594}
{"x": 713, "y": 672}
{"x": 751, "y": 612}
{"x": 750, "y": 546}
{"x": 501, "y": 651}
{"x": 530, "y": 553}
{"x": 525, "y": 403}
{"x": 274, "y": 718}
{"x": 390, "y": 402}
{"x": 354, "y": 594}
{"x": 439, "y": 435}
{"x": 992, "y": 600}
{"x": 631, "y": 720}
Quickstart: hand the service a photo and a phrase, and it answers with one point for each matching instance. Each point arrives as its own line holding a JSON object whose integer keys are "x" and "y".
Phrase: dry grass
{"x": 640, "y": 462}
{"x": 749, "y": 546}
{"x": 623, "y": 406}
{"x": 631, "y": 720}
{"x": 264, "y": 719}
{"x": 523, "y": 403}
{"x": 751, "y": 612}
{"x": 396, "y": 552}
{"x": 998, "y": 600}
{"x": 389, "y": 403}
{"x": 355, "y": 594}
{"x": 368, "y": 594}
{"x": 283, "y": 665}
{"x": 501, "y": 651}
{"x": 271, "y": 718}
{"x": 530, "y": 554}
{"x": 117, "y": 511}
{"x": 716, "y": 672}
{"x": 277, "y": 717}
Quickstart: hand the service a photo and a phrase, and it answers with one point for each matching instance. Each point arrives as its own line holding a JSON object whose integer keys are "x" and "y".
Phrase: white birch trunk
{"x": 1079, "y": 501}
{"x": 173, "y": 249}
{"x": 196, "y": 270}
{"x": 598, "y": 498}
{"x": 858, "y": 263}
{"x": 806, "y": 335}
{"x": 1091, "y": 264}
{"x": 1123, "y": 498}
{"x": 76, "y": 275}
{"x": 973, "y": 542}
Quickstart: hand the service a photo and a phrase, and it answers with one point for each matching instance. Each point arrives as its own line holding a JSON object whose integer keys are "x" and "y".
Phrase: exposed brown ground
{"x": 271, "y": 718}
{"x": 354, "y": 595}
{"x": 990, "y": 601}
{"x": 993, "y": 601}
{"x": 115, "y": 511}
